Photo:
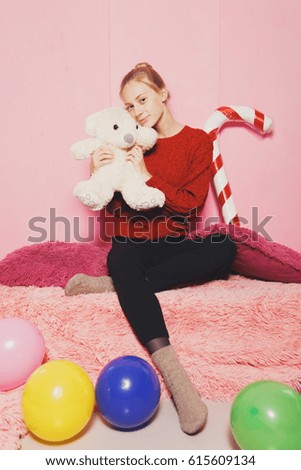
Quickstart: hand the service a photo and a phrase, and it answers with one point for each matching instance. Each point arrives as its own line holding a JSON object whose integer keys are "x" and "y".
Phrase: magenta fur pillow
{"x": 52, "y": 263}
{"x": 259, "y": 258}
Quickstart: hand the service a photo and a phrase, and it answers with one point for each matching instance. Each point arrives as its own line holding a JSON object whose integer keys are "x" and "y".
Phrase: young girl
{"x": 150, "y": 249}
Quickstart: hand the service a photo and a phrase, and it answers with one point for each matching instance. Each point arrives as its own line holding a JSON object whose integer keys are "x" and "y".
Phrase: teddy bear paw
{"x": 90, "y": 200}
{"x": 148, "y": 204}
{"x": 152, "y": 202}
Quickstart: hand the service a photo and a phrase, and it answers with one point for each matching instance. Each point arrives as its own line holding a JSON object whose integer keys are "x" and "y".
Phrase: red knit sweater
{"x": 180, "y": 166}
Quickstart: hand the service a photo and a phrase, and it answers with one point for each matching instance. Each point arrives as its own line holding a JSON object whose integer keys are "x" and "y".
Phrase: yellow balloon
{"x": 58, "y": 401}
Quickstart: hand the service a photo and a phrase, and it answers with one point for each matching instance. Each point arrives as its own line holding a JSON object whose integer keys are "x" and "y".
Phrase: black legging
{"x": 140, "y": 269}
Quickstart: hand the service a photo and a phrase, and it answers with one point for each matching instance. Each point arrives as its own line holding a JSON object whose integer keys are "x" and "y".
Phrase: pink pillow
{"x": 259, "y": 258}
{"x": 52, "y": 263}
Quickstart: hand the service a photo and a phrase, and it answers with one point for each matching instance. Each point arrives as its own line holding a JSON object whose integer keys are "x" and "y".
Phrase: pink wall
{"x": 63, "y": 60}
{"x": 56, "y": 72}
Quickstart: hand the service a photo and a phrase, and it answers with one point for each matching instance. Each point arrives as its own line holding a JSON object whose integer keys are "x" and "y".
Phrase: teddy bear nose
{"x": 129, "y": 138}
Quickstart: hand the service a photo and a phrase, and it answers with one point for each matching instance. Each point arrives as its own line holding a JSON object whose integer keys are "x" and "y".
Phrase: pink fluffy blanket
{"x": 227, "y": 333}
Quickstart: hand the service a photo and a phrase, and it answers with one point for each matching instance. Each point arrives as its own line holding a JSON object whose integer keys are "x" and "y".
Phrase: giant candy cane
{"x": 218, "y": 118}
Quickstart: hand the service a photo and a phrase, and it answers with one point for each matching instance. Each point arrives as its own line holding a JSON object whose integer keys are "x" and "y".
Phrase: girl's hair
{"x": 141, "y": 72}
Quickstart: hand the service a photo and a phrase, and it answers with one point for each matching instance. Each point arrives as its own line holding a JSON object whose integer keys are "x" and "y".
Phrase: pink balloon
{"x": 22, "y": 349}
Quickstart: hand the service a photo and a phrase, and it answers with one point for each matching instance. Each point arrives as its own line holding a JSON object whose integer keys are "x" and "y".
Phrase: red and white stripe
{"x": 218, "y": 118}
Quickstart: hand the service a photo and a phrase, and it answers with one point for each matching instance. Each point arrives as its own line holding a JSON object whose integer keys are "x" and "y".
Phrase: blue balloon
{"x": 127, "y": 392}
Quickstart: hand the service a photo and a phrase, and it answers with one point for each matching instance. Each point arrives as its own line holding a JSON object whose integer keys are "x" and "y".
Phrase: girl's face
{"x": 144, "y": 103}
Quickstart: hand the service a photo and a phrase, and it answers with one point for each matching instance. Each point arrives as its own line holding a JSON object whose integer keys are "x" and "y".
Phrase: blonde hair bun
{"x": 142, "y": 64}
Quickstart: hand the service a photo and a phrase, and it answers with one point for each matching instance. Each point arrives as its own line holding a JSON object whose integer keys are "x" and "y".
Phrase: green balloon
{"x": 267, "y": 415}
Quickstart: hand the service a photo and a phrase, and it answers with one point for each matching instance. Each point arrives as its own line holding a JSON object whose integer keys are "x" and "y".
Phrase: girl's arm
{"x": 193, "y": 192}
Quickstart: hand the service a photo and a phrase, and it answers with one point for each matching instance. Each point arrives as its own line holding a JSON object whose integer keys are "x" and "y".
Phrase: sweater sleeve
{"x": 194, "y": 189}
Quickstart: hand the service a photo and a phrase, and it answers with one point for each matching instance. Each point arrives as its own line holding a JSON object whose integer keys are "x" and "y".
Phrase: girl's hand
{"x": 135, "y": 155}
{"x": 101, "y": 156}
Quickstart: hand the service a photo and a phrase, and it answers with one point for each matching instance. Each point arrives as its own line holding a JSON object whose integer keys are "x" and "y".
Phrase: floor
{"x": 162, "y": 432}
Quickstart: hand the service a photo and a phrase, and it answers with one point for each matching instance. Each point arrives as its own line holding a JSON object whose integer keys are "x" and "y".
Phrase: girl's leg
{"x": 179, "y": 263}
{"x": 127, "y": 266}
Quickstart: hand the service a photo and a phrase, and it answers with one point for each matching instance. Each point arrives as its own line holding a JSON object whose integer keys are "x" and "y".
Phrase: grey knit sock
{"x": 84, "y": 284}
{"x": 191, "y": 409}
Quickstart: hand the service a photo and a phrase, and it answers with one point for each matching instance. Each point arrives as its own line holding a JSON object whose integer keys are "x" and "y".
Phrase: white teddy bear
{"x": 115, "y": 126}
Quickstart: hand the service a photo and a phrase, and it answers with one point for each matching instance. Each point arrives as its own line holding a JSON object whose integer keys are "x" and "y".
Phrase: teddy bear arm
{"x": 83, "y": 148}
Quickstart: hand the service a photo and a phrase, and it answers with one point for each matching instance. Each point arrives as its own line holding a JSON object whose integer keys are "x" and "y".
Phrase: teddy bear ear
{"x": 91, "y": 123}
